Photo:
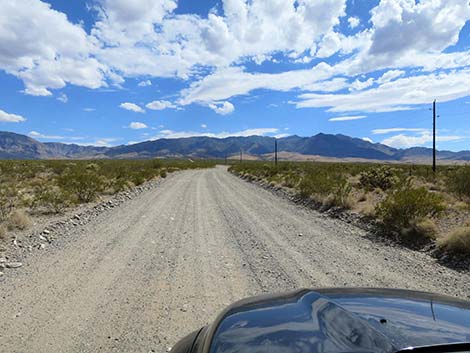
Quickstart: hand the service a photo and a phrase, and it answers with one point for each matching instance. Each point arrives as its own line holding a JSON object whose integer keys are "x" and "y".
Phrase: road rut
{"x": 140, "y": 276}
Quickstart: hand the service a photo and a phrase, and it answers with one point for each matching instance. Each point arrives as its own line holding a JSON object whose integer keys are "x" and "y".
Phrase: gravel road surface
{"x": 146, "y": 273}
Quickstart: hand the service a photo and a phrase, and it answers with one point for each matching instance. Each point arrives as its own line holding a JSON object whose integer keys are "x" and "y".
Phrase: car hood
{"x": 338, "y": 320}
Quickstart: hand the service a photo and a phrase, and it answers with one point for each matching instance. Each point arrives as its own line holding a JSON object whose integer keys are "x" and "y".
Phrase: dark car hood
{"x": 338, "y": 320}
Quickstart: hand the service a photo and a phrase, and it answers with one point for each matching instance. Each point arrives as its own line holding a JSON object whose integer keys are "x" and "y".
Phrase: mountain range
{"x": 16, "y": 146}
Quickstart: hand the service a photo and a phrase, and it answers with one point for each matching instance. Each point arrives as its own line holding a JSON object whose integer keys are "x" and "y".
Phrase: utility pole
{"x": 434, "y": 137}
{"x": 275, "y": 152}
{"x": 241, "y": 155}
{"x": 226, "y": 159}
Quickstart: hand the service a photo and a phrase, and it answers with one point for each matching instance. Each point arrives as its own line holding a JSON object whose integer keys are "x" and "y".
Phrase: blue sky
{"x": 109, "y": 72}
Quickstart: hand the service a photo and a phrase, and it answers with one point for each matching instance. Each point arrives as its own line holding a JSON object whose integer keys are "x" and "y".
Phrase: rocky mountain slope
{"x": 16, "y": 146}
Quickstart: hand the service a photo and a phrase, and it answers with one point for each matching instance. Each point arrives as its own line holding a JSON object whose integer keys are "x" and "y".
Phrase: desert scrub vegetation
{"x": 408, "y": 212}
{"x": 459, "y": 183}
{"x": 457, "y": 243}
{"x": 408, "y": 202}
{"x": 48, "y": 187}
{"x": 381, "y": 177}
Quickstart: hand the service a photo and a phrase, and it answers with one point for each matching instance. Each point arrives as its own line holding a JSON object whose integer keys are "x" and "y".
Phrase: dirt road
{"x": 163, "y": 264}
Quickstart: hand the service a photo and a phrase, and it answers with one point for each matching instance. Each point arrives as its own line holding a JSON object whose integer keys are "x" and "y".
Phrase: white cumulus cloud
{"x": 222, "y": 108}
{"x": 160, "y": 105}
{"x": 143, "y": 39}
{"x": 42, "y": 48}
{"x": 401, "y": 94}
{"x": 10, "y": 118}
{"x": 136, "y": 125}
{"x": 131, "y": 106}
{"x": 353, "y": 22}
{"x": 145, "y": 83}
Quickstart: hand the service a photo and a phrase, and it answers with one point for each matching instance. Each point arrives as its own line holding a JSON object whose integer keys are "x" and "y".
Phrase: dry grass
{"x": 457, "y": 242}
{"x": 420, "y": 232}
{"x": 333, "y": 200}
{"x": 3, "y": 232}
{"x": 366, "y": 205}
{"x": 362, "y": 197}
{"x": 18, "y": 220}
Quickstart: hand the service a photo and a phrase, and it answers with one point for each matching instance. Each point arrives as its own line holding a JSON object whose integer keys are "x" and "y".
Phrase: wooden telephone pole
{"x": 434, "y": 136}
{"x": 241, "y": 155}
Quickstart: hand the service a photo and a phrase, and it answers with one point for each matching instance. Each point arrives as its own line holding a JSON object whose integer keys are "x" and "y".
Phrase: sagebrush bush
{"x": 459, "y": 183}
{"x": 408, "y": 205}
{"x": 381, "y": 177}
{"x": 457, "y": 242}
{"x": 163, "y": 173}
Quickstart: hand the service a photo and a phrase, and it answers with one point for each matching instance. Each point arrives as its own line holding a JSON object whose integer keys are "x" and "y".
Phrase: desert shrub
{"x": 8, "y": 200}
{"x": 459, "y": 182}
{"x": 331, "y": 190}
{"x": 93, "y": 167}
{"x": 5, "y": 209}
{"x": 120, "y": 184}
{"x": 3, "y": 232}
{"x": 380, "y": 177}
{"x": 85, "y": 185}
{"x": 18, "y": 220}
{"x": 137, "y": 179}
{"x": 163, "y": 173}
{"x": 47, "y": 200}
{"x": 407, "y": 206}
{"x": 291, "y": 179}
{"x": 457, "y": 242}
{"x": 318, "y": 184}
{"x": 419, "y": 232}
{"x": 340, "y": 196}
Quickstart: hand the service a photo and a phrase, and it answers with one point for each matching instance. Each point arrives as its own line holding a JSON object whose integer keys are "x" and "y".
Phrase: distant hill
{"x": 16, "y": 146}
